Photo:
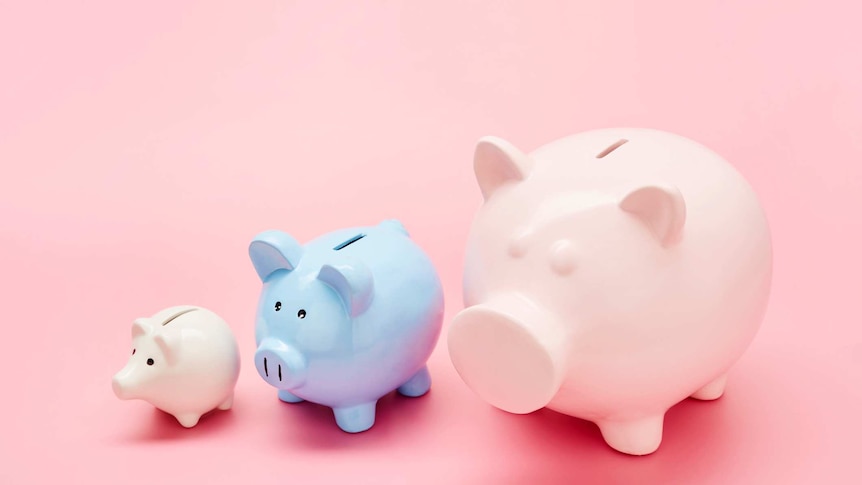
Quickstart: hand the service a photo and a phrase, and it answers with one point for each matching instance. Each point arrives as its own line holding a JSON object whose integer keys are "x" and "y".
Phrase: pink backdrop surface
{"x": 144, "y": 143}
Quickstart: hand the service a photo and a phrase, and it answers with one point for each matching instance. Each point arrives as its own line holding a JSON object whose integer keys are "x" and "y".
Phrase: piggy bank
{"x": 608, "y": 276}
{"x": 346, "y": 318}
{"x": 185, "y": 361}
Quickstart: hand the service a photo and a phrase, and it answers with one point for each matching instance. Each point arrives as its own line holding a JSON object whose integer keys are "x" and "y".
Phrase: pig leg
{"x": 634, "y": 437}
{"x": 355, "y": 419}
{"x": 188, "y": 420}
{"x": 418, "y": 385}
{"x": 711, "y": 391}
{"x": 227, "y": 403}
{"x": 286, "y": 396}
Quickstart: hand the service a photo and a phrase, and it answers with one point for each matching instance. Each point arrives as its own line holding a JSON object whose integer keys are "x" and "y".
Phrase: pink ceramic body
{"x": 608, "y": 276}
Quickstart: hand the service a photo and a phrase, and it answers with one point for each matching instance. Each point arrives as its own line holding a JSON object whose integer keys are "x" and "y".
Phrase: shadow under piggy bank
{"x": 161, "y": 426}
{"x": 307, "y": 425}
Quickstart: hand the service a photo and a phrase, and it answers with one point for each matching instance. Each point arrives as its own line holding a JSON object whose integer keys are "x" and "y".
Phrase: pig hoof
{"x": 227, "y": 403}
{"x": 505, "y": 361}
{"x": 418, "y": 385}
{"x": 711, "y": 391}
{"x": 288, "y": 397}
{"x": 355, "y": 419}
{"x": 638, "y": 437}
{"x": 188, "y": 420}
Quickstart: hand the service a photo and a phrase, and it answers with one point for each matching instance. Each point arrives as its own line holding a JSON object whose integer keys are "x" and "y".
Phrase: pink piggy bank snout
{"x": 505, "y": 357}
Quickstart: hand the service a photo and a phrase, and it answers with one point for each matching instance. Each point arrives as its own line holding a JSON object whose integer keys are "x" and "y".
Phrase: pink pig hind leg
{"x": 188, "y": 420}
{"x": 634, "y": 437}
{"x": 711, "y": 391}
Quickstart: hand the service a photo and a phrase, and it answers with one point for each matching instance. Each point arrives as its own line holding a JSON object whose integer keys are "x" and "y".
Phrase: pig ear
{"x": 395, "y": 225}
{"x": 169, "y": 347}
{"x": 353, "y": 283}
{"x": 274, "y": 250}
{"x": 497, "y": 162}
{"x": 141, "y": 327}
{"x": 662, "y": 208}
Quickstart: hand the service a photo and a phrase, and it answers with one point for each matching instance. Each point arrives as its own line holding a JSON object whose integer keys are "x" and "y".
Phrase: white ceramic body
{"x": 608, "y": 276}
{"x": 185, "y": 361}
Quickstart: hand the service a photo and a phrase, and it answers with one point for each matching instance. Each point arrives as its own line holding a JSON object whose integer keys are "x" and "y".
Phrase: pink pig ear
{"x": 141, "y": 327}
{"x": 497, "y": 162}
{"x": 169, "y": 347}
{"x": 661, "y": 208}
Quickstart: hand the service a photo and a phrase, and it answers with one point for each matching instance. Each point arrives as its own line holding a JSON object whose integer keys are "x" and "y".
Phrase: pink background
{"x": 144, "y": 143}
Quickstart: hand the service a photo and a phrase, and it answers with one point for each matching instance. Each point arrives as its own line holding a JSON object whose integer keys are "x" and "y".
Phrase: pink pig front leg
{"x": 510, "y": 352}
{"x": 640, "y": 436}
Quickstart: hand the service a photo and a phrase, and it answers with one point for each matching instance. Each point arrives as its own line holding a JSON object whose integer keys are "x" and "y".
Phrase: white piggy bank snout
{"x": 184, "y": 361}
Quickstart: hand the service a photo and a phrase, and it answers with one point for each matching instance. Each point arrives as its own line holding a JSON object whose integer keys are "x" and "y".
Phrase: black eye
{"x": 150, "y": 361}
{"x": 277, "y": 306}
{"x": 300, "y": 314}
{"x": 133, "y": 351}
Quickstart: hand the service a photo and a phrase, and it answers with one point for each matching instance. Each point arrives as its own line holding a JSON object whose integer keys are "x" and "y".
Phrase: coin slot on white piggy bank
{"x": 184, "y": 361}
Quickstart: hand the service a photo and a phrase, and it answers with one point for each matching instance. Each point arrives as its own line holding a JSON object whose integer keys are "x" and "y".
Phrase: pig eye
{"x": 133, "y": 351}
{"x": 301, "y": 314}
{"x": 150, "y": 361}
{"x": 277, "y": 306}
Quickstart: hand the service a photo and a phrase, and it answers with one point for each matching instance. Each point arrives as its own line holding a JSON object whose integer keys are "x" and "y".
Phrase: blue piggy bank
{"x": 347, "y": 318}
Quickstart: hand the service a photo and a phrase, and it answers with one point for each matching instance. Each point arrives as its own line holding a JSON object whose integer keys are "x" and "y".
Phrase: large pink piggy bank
{"x": 608, "y": 276}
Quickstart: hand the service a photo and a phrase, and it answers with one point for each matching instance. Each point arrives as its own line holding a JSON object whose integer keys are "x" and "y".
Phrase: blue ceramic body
{"x": 346, "y": 318}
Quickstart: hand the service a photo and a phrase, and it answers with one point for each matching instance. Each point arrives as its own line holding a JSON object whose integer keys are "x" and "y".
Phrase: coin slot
{"x": 348, "y": 242}
{"x": 607, "y": 151}
{"x": 175, "y": 316}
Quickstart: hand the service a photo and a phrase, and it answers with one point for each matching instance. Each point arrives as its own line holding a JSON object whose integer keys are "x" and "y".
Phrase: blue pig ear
{"x": 395, "y": 225}
{"x": 271, "y": 251}
{"x": 353, "y": 283}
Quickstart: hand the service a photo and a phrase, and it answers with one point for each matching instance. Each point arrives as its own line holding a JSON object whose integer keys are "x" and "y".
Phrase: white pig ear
{"x": 271, "y": 251}
{"x": 353, "y": 283}
{"x": 498, "y": 162}
{"x": 169, "y": 347}
{"x": 661, "y": 208}
{"x": 141, "y": 327}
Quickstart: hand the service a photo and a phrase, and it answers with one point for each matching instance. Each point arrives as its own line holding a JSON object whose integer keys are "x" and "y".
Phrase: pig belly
{"x": 609, "y": 377}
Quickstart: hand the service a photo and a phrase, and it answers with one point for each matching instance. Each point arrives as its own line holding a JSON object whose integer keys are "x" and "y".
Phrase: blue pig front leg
{"x": 355, "y": 419}
{"x": 417, "y": 385}
{"x": 288, "y": 397}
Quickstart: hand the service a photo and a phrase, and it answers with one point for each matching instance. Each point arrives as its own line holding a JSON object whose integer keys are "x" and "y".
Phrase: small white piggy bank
{"x": 185, "y": 361}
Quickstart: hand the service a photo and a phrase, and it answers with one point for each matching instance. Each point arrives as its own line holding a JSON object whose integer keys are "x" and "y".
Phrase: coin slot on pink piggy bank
{"x": 608, "y": 276}
{"x": 184, "y": 361}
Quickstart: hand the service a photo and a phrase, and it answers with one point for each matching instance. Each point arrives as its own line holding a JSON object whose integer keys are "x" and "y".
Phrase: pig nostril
{"x": 265, "y": 369}
{"x": 279, "y": 372}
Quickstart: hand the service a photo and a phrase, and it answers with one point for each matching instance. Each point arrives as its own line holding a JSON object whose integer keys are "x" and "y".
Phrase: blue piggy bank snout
{"x": 279, "y": 365}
